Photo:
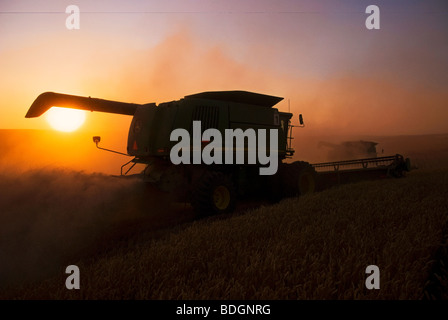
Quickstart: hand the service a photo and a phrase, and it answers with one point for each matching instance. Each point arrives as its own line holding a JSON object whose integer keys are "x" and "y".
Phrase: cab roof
{"x": 245, "y": 97}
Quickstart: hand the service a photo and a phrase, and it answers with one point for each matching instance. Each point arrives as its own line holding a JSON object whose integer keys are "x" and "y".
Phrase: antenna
{"x": 289, "y": 107}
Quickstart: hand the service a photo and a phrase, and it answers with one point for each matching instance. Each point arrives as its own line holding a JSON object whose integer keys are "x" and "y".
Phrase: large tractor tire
{"x": 276, "y": 182}
{"x": 299, "y": 179}
{"x": 214, "y": 193}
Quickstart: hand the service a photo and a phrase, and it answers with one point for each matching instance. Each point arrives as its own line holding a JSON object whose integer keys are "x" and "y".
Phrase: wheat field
{"x": 314, "y": 247}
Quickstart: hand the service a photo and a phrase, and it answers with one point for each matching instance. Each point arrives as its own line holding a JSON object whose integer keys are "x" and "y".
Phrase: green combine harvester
{"x": 214, "y": 188}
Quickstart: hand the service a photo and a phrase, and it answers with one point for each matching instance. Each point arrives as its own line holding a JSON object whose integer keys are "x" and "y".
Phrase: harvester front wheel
{"x": 213, "y": 194}
{"x": 305, "y": 178}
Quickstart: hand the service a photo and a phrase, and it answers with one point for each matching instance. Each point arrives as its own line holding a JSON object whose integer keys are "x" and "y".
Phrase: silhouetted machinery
{"x": 350, "y": 149}
{"x": 212, "y": 168}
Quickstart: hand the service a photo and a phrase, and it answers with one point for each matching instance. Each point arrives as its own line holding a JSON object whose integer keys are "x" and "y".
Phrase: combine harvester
{"x": 214, "y": 187}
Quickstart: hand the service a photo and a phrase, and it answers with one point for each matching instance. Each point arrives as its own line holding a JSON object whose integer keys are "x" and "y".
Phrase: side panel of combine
{"x": 257, "y": 117}
{"x": 211, "y": 114}
{"x": 252, "y": 118}
{"x": 139, "y": 131}
{"x": 149, "y": 133}
{"x": 253, "y": 115}
{"x": 166, "y": 115}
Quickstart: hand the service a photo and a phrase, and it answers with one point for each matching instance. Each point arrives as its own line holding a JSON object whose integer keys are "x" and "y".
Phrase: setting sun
{"x": 67, "y": 120}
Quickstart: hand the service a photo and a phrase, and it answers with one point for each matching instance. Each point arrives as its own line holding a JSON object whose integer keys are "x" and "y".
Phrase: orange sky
{"x": 342, "y": 77}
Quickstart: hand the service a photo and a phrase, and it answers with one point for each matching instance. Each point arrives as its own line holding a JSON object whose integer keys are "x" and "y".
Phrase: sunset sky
{"x": 318, "y": 54}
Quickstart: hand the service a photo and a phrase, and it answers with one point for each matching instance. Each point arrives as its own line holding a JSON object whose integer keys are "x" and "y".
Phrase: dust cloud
{"x": 370, "y": 99}
{"x": 51, "y": 217}
{"x": 373, "y": 102}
